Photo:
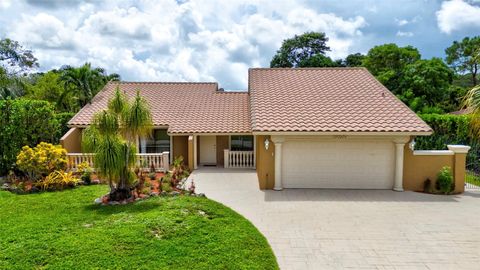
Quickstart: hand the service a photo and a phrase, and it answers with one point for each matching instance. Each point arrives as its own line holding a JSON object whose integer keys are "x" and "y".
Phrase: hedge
{"x": 450, "y": 129}
{"x": 27, "y": 122}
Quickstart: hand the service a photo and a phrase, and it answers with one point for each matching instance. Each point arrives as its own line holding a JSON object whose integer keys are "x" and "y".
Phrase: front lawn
{"x": 65, "y": 230}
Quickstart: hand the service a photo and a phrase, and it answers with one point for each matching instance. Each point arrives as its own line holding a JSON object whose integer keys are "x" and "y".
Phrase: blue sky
{"x": 168, "y": 40}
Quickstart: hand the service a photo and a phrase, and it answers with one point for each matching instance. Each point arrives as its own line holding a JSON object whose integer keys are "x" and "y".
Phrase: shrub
{"x": 450, "y": 129}
{"x": 445, "y": 180}
{"x": 24, "y": 122}
{"x": 41, "y": 160}
{"x": 62, "y": 120}
{"x": 58, "y": 180}
{"x": 166, "y": 186}
{"x": 86, "y": 172}
{"x": 179, "y": 171}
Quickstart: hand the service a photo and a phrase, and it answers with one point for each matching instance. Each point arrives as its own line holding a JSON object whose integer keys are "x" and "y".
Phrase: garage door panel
{"x": 342, "y": 164}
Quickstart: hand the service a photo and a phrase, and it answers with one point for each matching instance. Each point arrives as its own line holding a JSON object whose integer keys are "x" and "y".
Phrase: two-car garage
{"x": 337, "y": 162}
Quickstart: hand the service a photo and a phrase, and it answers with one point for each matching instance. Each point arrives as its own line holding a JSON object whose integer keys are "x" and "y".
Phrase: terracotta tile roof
{"x": 326, "y": 100}
{"x": 183, "y": 107}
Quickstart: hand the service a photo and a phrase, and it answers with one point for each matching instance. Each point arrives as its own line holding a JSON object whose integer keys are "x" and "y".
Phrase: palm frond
{"x": 137, "y": 119}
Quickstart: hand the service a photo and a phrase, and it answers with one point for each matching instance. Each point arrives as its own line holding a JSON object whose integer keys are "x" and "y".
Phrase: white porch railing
{"x": 74, "y": 159}
{"x": 239, "y": 159}
{"x": 159, "y": 160}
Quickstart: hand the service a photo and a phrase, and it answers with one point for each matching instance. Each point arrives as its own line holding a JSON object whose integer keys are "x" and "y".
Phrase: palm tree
{"x": 85, "y": 81}
{"x": 111, "y": 138}
{"x": 472, "y": 103}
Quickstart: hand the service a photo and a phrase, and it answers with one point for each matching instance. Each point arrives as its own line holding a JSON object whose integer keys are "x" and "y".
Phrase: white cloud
{"x": 401, "y": 22}
{"x": 4, "y": 4}
{"x": 44, "y": 31}
{"x": 404, "y": 34}
{"x": 167, "y": 41}
{"x": 456, "y": 15}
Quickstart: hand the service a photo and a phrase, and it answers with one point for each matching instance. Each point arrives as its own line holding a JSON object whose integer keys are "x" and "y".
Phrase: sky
{"x": 182, "y": 40}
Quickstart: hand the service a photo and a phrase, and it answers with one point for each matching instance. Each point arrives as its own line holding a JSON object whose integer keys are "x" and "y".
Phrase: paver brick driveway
{"x": 360, "y": 229}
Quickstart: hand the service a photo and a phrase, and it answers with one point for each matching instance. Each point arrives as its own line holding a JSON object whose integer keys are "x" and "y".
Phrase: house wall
{"x": 416, "y": 168}
{"x": 265, "y": 163}
{"x": 180, "y": 148}
{"x": 420, "y": 167}
{"x": 72, "y": 140}
{"x": 222, "y": 143}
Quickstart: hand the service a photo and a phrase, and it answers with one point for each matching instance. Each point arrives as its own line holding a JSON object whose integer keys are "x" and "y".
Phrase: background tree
{"x": 299, "y": 49}
{"x": 14, "y": 56}
{"x": 84, "y": 81}
{"x": 386, "y": 62}
{"x": 464, "y": 56}
{"x": 354, "y": 60}
{"x": 424, "y": 84}
{"x": 111, "y": 137}
{"x": 47, "y": 86}
{"x": 319, "y": 60}
{"x": 15, "y": 61}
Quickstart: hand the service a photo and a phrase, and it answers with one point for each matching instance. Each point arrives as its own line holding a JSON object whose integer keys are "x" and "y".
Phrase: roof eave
{"x": 356, "y": 133}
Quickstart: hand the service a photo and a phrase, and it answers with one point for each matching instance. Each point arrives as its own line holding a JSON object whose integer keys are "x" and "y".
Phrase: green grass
{"x": 65, "y": 230}
{"x": 472, "y": 178}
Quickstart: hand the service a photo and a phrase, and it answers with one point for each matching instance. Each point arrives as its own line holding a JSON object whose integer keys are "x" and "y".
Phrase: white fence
{"x": 239, "y": 159}
{"x": 159, "y": 160}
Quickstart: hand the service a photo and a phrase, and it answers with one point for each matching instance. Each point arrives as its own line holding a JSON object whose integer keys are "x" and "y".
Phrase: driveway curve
{"x": 359, "y": 229}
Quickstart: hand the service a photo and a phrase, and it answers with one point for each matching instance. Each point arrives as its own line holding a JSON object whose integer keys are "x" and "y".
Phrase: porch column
{"x": 278, "y": 140}
{"x": 399, "y": 149}
{"x": 195, "y": 140}
{"x": 190, "y": 152}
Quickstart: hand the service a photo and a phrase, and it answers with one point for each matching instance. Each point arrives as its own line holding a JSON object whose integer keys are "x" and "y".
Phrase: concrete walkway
{"x": 359, "y": 229}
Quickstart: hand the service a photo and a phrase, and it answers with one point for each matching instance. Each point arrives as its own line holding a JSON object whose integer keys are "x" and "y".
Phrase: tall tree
{"x": 47, "y": 86}
{"x": 464, "y": 56}
{"x": 386, "y": 62}
{"x": 15, "y": 56}
{"x": 300, "y": 49}
{"x": 84, "y": 81}
{"x": 354, "y": 60}
{"x": 112, "y": 136}
{"x": 425, "y": 84}
{"x": 14, "y": 62}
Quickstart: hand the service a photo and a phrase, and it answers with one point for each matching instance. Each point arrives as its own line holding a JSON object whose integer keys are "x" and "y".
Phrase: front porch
{"x": 227, "y": 151}
{"x": 159, "y": 151}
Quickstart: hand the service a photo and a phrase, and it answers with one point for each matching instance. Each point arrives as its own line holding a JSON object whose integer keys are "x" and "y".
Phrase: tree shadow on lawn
{"x": 135, "y": 207}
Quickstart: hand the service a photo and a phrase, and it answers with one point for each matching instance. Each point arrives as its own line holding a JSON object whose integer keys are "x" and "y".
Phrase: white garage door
{"x": 338, "y": 164}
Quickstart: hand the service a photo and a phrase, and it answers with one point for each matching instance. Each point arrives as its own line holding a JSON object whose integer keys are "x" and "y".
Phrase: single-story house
{"x": 298, "y": 127}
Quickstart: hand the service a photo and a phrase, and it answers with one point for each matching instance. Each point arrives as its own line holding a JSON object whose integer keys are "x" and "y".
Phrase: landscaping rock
{"x": 174, "y": 193}
{"x": 113, "y": 203}
{"x": 163, "y": 193}
{"x": 98, "y": 201}
{"x": 154, "y": 194}
{"x": 201, "y": 195}
{"x": 95, "y": 182}
{"x": 5, "y": 187}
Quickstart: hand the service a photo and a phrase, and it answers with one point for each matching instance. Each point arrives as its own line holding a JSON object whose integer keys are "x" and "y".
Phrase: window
{"x": 241, "y": 143}
{"x": 159, "y": 142}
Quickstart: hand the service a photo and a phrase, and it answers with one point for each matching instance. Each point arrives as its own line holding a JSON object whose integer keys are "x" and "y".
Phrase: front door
{"x": 208, "y": 150}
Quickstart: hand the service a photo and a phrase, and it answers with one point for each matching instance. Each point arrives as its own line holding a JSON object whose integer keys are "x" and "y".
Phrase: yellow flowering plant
{"x": 58, "y": 180}
{"x": 41, "y": 160}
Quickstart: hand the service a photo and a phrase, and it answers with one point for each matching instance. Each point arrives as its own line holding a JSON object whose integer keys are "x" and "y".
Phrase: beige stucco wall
{"x": 418, "y": 168}
{"x": 265, "y": 163}
{"x": 72, "y": 140}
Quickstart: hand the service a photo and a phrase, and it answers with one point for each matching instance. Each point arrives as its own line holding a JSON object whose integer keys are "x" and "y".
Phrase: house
{"x": 299, "y": 128}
